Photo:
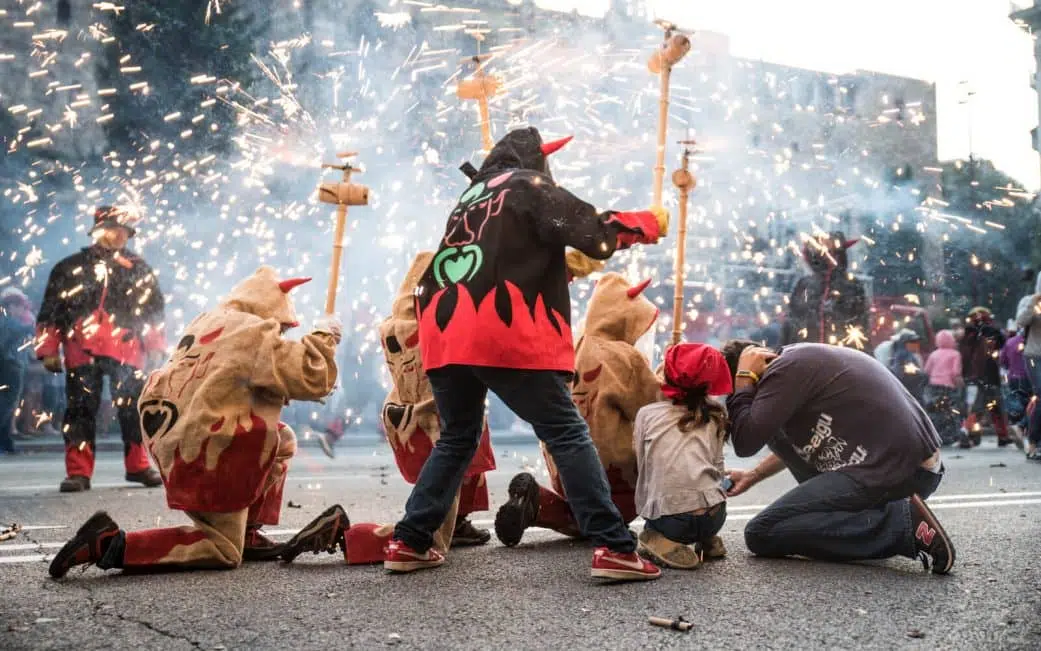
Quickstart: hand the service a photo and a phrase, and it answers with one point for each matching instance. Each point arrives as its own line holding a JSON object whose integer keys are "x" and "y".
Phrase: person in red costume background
{"x": 612, "y": 382}
{"x": 828, "y": 306}
{"x": 494, "y": 313}
{"x": 211, "y": 417}
{"x": 103, "y": 309}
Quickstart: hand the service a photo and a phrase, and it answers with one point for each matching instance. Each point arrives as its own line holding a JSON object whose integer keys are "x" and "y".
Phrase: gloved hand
{"x": 581, "y": 265}
{"x": 662, "y": 215}
{"x": 331, "y": 325}
{"x": 639, "y": 227}
{"x": 53, "y": 364}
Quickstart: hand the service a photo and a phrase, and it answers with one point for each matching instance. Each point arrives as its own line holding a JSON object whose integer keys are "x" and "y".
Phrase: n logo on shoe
{"x": 925, "y": 533}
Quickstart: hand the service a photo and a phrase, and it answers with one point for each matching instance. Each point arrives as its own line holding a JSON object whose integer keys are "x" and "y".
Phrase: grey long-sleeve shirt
{"x": 840, "y": 409}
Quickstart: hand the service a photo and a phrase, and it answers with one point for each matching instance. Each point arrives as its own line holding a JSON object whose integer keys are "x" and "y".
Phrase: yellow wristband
{"x": 750, "y": 375}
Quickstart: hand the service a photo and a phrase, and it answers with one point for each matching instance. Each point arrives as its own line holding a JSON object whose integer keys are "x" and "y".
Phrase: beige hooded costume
{"x": 412, "y": 425}
{"x": 211, "y": 421}
{"x": 612, "y": 382}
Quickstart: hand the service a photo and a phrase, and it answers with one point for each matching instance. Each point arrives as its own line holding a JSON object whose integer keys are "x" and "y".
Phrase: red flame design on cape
{"x": 410, "y": 462}
{"x": 148, "y": 547}
{"x": 234, "y": 483}
{"x": 477, "y": 336}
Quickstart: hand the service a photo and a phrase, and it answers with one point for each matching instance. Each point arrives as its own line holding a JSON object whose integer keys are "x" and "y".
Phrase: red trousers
{"x": 555, "y": 512}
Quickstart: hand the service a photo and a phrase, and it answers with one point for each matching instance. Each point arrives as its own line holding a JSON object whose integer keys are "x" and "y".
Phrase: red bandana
{"x": 690, "y": 365}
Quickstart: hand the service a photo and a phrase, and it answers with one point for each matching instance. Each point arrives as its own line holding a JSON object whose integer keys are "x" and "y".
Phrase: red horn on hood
{"x": 287, "y": 285}
{"x": 633, "y": 292}
{"x": 550, "y": 147}
{"x": 849, "y": 243}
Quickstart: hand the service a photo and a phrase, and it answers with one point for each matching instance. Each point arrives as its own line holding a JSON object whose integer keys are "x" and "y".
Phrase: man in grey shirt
{"x": 862, "y": 449}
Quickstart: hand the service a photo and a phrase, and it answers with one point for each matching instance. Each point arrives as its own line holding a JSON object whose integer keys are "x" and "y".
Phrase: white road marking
{"x": 940, "y": 502}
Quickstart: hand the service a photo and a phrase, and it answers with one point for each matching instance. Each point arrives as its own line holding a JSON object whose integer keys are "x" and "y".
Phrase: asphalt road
{"x": 536, "y": 596}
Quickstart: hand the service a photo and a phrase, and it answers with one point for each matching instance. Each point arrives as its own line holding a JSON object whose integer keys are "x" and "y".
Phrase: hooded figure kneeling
{"x": 612, "y": 382}
{"x": 211, "y": 421}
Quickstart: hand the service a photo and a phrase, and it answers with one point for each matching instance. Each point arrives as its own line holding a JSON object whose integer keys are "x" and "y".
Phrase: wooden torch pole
{"x": 673, "y": 49}
{"x": 684, "y": 182}
{"x": 342, "y": 194}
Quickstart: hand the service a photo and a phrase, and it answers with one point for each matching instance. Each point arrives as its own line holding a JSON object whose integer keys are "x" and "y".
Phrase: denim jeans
{"x": 11, "y": 378}
{"x": 1034, "y": 422}
{"x": 687, "y": 528}
{"x": 542, "y": 398}
{"x": 831, "y": 516}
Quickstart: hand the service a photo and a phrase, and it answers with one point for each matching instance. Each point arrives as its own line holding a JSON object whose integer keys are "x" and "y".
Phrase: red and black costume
{"x": 828, "y": 306}
{"x": 496, "y": 292}
{"x": 103, "y": 308}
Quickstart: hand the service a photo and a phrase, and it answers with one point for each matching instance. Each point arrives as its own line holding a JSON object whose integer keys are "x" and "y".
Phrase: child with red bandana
{"x": 679, "y": 454}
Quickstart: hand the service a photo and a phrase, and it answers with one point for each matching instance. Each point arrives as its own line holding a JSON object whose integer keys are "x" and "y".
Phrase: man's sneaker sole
{"x": 520, "y": 511}
{"x": 623, "y": 575}
{"x": 930, "y": 519}
{"x": 403, "y": 567}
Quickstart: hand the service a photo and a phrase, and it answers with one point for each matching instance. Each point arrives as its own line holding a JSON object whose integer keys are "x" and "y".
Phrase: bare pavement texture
{"x": 535, "y": 596}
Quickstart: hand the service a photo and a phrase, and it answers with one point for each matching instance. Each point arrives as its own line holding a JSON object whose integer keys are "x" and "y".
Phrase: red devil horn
{"x": 849, "y": 243}
{"x": 550, "y": 147}
{"x": 633, "y": 292}
{"x": 287, "y": 285}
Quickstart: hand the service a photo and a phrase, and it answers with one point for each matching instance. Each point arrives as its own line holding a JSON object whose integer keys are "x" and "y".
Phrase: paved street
{"x": 538, "y": 595}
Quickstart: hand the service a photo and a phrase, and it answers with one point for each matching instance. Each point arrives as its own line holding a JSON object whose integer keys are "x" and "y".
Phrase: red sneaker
{"x": 622, "y": 567}
{"x": 401, "y": 558}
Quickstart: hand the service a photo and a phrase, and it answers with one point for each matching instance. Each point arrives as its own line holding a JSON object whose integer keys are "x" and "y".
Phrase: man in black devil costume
{"x": 495, "y": 313}
{"x": 829, "y": 305}
{"x": 103, "y": 309}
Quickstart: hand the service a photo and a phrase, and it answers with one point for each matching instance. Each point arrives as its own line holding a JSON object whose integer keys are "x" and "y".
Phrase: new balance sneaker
{"x": 323, "y": 534}
{"x": 622, "y": 567}
{"x": 932, "y": 543}
{"x": 259, "y": 547}
{"x": 665, "y": 552}
{"x": 401, "y": 558}
{"x": 88, "y": 546}
{"x": 520, "y": 511}
{"x": 466, "y": 534}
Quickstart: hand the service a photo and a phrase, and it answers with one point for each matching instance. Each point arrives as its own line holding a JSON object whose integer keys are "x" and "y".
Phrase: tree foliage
{"x": 171, "y": 43}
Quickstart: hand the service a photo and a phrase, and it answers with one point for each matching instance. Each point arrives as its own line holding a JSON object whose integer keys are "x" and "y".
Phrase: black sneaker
{"x": 150, "y": 477}
{"x": 88, "y": 545}
{"x": 466, "y": 534}
{"x": 520, "y": 512}
{"x": 75, "y": 484}
{"x": 259, "y": 547}
{"x": 324, "y": 534}
{"x": 934, "y": 546}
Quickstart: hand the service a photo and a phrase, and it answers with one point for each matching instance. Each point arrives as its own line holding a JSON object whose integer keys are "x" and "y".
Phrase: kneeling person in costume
{"x": 412, "y": 426}
{"x": 210, "y": 417}
{"x": 612, "y": 382}
{"x": 494, "y": 313}
{"x": 679, "y": 451}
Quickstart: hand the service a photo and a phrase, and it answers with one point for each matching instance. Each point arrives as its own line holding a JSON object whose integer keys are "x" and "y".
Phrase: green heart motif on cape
{"x": 457, "y": 264}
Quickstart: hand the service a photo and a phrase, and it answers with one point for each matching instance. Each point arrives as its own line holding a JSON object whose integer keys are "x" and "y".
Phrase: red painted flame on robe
{"x": 410, "y": 462}
{"x": 234, "y": 483}
{"x": 148, "y": 547}
{"x": 477, "y": 336}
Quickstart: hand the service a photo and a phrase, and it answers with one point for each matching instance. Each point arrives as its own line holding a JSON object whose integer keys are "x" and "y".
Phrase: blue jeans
{"x": 542, "y": 398}
{"x": 687, "y": 528}
{"x": 831, "y": 516}
{"x": 1034, "y": 422}
{"x": 11, "y": 379}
